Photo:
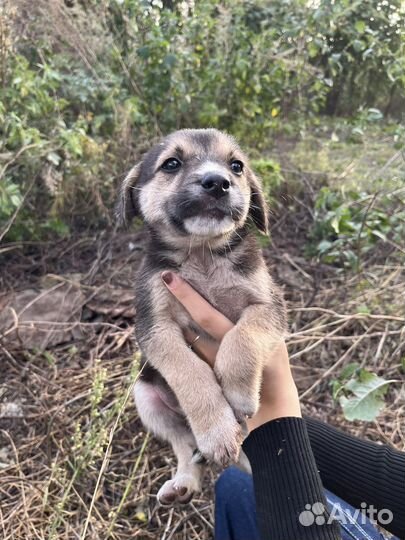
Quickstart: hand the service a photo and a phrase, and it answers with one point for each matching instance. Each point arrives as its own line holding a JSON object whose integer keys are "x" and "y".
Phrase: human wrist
{"x": 280, "y": 401}
{"x": 284, "y": 401}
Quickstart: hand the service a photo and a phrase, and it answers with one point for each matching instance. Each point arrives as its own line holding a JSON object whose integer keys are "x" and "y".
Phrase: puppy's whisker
{"x": 185, "y": 202}
{"x": 152, "y": 190}
{"x": 209, "y": 247}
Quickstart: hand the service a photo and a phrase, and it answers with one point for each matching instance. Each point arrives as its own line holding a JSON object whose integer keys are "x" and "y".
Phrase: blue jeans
{"x": 235, "y": 512}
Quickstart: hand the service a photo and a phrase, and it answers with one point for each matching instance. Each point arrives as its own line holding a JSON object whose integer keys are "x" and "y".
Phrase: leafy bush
{"x": 361, "y": 46}
{"x": 86, "y": 84}
{"x": 269, "y": 172}
{"x": 46, "y": 147}
{"x": 348, "y": 224}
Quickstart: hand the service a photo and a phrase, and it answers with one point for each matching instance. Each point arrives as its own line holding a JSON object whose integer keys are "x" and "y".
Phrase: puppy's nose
{"x": 215, "y": 185}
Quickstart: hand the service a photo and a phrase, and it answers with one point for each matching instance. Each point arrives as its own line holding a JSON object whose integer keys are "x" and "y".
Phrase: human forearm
{"x": 286, "y": 480}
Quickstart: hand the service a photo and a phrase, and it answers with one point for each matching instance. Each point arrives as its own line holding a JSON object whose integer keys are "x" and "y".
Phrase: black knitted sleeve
{"x": 360, "y": 471}
{"x": 287, "y": 483}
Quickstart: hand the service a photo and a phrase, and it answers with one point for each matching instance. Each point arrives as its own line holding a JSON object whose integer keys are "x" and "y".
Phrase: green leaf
{"x": 363, "y": 309}
{"x": 357, "y": 131}
{"x": 359, "y": 45}
{"x": 360, "y": 26}
{"x": 58, "y": 226}
{"x": 144, "y": 52}
{"x": 313, "y": 50}
{"x": 169, "y": 60}
{"x": 337, "y": 387}
{"x": 49, "y": 358}
{"x": 366, "y": 400}
{"x": 374, "y": 115}
{"x": 349, "y": 370}
{"x": 324, "y": 246}
{"x": 368, "y": 52}
{"x": 379, "y": 234}
{"x": 15, "y": 200}
{"x": 54, "y": 158}
{"x": 335, "y": 224}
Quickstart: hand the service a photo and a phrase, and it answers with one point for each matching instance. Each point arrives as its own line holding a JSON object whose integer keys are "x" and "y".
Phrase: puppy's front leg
{"x": 211, "y": 419}
{"x": 242, "y": 355}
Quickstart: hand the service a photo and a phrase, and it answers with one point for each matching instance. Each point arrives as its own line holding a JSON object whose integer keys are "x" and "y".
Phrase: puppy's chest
{"x": 225, "y": 289}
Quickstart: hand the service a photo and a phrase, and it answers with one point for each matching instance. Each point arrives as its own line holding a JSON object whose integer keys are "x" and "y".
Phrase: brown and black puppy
{"x": 200, "y": 201}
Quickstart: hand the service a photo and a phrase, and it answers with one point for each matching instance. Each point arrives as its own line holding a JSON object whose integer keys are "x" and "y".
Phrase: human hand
{"x": 279, "y": 396}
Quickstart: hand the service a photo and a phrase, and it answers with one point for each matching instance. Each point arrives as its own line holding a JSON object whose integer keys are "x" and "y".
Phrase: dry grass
{"x": 75, "y": 461}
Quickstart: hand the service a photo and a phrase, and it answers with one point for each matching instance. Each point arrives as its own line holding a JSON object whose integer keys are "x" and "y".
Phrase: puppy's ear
{"x": 258, "y": 210}
{"x": 127, "y": 206}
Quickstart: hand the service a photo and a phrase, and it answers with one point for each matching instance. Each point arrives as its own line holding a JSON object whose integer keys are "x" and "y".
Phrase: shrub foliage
{"x": 84, "y": 85}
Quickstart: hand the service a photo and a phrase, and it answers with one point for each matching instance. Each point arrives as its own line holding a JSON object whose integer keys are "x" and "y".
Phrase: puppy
{"x": 200, "y": 202}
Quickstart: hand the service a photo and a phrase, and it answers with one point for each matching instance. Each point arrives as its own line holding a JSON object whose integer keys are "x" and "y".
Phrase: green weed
{"x": 349, "y": 224}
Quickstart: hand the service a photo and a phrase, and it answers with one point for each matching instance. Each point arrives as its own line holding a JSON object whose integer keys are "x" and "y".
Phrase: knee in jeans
{"x": 229, "y": 482}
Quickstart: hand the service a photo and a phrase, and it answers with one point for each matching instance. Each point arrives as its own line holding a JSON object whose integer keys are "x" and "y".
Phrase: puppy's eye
{"x": 237, "y": 166}
{"x": 170, "y": 165}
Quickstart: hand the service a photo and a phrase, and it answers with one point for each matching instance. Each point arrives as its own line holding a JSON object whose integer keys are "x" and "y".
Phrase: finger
{"x": 201, "y": 311}
{"x": 206, "y": 350}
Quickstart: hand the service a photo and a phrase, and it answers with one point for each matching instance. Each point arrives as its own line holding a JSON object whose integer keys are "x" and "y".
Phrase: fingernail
{"x": 167, "y": 277}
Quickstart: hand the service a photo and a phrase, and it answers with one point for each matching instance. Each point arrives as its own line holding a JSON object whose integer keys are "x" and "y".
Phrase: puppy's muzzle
{"x": 215, "y": 185}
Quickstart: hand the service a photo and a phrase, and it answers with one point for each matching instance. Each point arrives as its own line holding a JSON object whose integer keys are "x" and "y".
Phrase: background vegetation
{"x": 85, "y": 85}
{"x": 315, "y": 91}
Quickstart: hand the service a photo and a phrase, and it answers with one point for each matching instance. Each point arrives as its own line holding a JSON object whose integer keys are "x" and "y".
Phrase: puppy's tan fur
{"x": 205, "y": 238}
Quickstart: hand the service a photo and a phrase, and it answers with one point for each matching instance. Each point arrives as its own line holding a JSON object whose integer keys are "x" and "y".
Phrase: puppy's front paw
{"x": 179, "y": 489}
{"x": 239, "y": 374}
{"x": 243, "y": 404}
{"x": 221, "y": 444}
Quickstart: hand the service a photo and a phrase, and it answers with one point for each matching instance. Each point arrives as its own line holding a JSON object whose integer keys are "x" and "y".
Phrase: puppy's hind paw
{"x": 179, "y": 489}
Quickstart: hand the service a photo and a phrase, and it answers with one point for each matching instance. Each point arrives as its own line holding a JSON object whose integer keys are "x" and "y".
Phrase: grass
{"x": 372, "y": 161}
{"x": 75, "y": 462}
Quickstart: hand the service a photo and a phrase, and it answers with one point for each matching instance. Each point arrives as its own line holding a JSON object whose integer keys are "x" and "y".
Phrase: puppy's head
{"x": 195, "y": 183}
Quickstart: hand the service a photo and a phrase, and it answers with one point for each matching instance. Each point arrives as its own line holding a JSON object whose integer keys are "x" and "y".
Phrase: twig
{"x": 169, "y": 522}
{"x": 333, "y": 368}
